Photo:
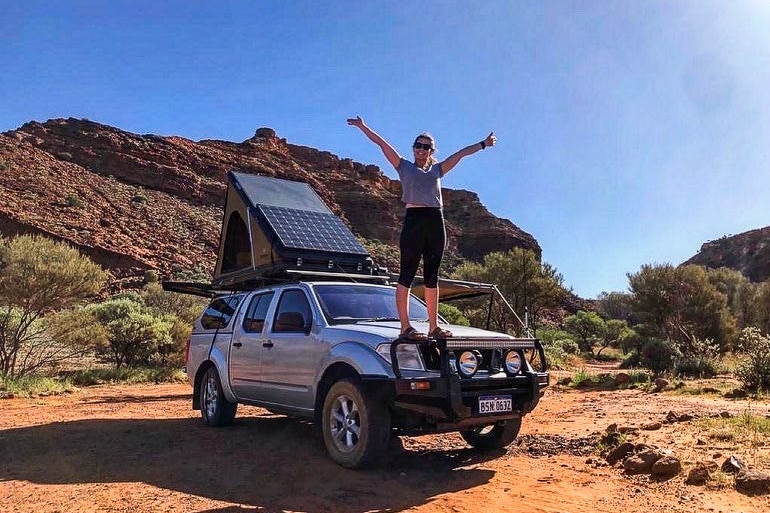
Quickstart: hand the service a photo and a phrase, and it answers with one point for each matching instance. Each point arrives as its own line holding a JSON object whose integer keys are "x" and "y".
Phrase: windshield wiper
{"x": 382, "y": 319}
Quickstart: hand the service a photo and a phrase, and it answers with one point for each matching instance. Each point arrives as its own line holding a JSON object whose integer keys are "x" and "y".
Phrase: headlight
{"x": 408, "y": 355}
{"x": 468, "y": 363}
{"x": 512, "y": 362}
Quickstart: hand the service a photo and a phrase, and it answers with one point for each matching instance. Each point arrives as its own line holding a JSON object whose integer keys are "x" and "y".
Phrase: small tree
{"x": 680, "y": 304}
{"x": 754, "y": 368}
{"x": 133, "y": 334}
{"x": 523, "y": 280}
{"x": 587, "y": 327}
{"x": 39, "y": 276}
{"x": 615, "y": 334}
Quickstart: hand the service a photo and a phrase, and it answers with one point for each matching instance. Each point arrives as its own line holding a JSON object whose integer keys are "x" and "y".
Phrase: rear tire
{"x": 494, "y": 436}
{"x": 356, "y": 428}
{"x": 216, "y": 410}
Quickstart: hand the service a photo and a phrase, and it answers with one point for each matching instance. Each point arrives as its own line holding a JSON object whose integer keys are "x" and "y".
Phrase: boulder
{"x": 266, "y": 132}
{"x": 753, "y": 482}
{"x": 619, "y": 452}
{"x": 665, "y": 467}
{"x": 733, "y": 465}
{"x": 737, "y": 393}
{"x": 652, "y": 426}
{"x": 641, "y": 462}
{"x": 622, "y": 378}
{"x": 700, "y": 473}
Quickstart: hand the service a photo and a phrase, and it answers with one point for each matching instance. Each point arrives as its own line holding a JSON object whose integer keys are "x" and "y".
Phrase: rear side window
{"x": 219, "y": 312}
{"x": 256, "y": 314}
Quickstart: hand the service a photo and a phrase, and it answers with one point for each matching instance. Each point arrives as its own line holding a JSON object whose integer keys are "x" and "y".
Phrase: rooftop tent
{"x": 272, "y": 227}
{"x": 450, "y": 290}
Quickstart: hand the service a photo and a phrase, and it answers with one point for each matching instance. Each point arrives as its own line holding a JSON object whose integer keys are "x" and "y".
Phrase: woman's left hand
{"x": 490, "y": 140}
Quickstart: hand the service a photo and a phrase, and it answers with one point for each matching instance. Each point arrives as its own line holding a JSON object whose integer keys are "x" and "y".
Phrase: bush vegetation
{"x": 681, "y": 321}
{"x": 130, "y": 375}
{"x": 40, "y": 280}
{"x": 754, "y": 367}
{"x": 73, "y": 200}
{"x": 31, "y": 385}
{"x": 525, "y": 282}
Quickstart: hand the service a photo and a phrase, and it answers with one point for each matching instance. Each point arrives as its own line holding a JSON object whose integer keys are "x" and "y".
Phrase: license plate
{"x": 495, "y": 404}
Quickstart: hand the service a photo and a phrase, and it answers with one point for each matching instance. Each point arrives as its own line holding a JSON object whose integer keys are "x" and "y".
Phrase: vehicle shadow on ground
{"x": 269, "y": 462}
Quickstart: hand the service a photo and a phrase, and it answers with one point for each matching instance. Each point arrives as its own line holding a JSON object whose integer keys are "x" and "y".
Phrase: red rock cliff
{"x": 138, "y": 202}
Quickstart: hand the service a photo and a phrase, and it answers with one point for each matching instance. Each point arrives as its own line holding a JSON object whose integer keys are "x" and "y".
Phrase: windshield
{"x": 345, "y": 303}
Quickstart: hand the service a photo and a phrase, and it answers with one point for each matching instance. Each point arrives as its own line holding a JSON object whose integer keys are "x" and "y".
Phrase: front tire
{"x": 495, "y": 436}
{"x": 216, "y": 410}
{"x": 356, "y": 428}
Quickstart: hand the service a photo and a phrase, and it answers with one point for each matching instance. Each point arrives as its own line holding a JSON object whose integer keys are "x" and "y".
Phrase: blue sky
{"x": 629, "y": 132}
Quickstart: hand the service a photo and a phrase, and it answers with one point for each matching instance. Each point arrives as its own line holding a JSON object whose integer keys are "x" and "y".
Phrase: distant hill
{"x": 747, "y": 252}
{"x": 138, "y": 202}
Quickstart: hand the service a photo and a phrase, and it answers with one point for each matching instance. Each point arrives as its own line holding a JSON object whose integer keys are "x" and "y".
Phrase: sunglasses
{"x": 421, "y": 146}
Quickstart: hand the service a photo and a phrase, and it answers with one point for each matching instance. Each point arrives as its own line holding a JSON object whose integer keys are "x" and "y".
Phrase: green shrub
{"x": 697, "y": 367}
{"x": 581, "y": 377}
{"x": 73, "y": 200}
{"x": 453, "y": 315}
{"x": 139, "y": 199}
{"x": 754, "y": 367}
{"x": 127, "y": 375}
{"x": 135, "y": 336}
{"x": 660, "y": 356}
{"x": 4, "y": 166}
{"x": 555, "y": 356}
{"x": 31, "y": 385}
{"x": 151, "y": 276}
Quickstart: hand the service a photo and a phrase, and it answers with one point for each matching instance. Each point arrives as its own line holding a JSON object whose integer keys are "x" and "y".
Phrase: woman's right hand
{"x": 356, "y": 121}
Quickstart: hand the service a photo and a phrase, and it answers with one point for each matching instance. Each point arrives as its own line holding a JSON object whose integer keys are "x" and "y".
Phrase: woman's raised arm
{"x": 392, "y": 155}
{"x": 452, "y": 160}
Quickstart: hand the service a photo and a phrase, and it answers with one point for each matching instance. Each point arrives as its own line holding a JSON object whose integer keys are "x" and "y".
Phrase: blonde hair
{"x": 427, "y": 135}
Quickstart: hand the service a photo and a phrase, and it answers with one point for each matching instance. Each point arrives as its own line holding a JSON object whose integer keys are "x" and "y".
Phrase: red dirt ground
{"x": 142, "y": 449}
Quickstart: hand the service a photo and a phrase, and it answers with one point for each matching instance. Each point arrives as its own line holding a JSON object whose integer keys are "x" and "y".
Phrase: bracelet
{"x": 483, "y": 145}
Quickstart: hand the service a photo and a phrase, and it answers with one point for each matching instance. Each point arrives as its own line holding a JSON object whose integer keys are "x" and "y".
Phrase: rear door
{"x": 291, "y": 354}
{"x": 247, "y": 346}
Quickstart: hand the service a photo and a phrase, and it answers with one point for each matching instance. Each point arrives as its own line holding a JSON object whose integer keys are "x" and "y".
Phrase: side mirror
{"x": 291, "y": 321}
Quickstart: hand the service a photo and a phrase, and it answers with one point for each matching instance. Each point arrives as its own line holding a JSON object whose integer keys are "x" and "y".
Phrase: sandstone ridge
{"x": 747, "y": 252}
{"x": 138, "y": 202}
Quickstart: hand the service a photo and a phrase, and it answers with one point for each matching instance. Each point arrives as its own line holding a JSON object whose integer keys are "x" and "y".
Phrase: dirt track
{"x": 141, "y": 449}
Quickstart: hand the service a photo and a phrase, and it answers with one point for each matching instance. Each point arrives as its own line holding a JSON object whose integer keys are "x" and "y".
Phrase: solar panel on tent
{"x": 305, "y": 229}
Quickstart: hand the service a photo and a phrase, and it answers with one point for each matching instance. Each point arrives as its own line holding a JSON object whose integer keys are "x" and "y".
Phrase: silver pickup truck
{"x": 330, "y": 352}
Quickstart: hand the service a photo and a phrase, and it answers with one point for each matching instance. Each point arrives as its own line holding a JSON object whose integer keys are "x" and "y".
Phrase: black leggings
{"x": 423, "y": 235}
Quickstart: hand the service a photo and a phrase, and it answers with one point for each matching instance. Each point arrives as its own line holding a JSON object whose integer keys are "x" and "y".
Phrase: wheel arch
{"x": 196, "y": 398}
{"x": 335, "y": 372}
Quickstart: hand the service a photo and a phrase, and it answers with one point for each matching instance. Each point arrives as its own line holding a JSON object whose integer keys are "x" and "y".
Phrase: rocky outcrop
{"x": 747, "y": 252}
{"x": 136, "y": 202}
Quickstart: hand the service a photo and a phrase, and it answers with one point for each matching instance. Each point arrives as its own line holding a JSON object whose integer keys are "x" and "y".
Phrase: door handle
{"x": 237, "y": 344}
{"x": 269, "y": 343}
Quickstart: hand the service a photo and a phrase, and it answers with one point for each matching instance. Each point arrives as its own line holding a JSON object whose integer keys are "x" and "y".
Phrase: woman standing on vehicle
{"x": 423, "y": 234}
